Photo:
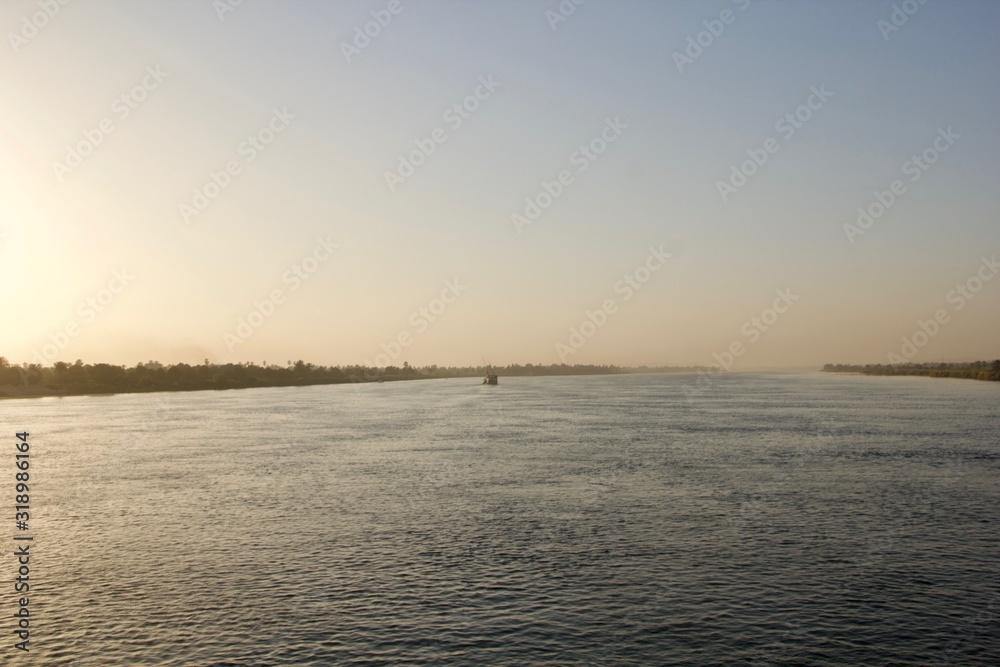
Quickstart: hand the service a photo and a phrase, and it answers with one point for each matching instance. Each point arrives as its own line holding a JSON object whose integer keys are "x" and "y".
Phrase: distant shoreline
{"x": 976, "y": 370}
{"x": 61, "y": 379}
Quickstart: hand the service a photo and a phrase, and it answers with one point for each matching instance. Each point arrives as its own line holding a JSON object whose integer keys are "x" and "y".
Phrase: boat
{"x": 491, "y": 377}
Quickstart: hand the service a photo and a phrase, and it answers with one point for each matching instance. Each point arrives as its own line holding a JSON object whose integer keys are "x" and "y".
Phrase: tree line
{"x": 973, "y": 370}
{"x": 62, "y": 378}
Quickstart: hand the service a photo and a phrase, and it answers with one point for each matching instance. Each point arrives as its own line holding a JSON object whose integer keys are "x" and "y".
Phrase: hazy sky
{"x": 628, "y": 124}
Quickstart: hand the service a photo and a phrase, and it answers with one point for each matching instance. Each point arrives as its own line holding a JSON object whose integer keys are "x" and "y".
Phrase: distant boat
{"x": 491, "y": 377}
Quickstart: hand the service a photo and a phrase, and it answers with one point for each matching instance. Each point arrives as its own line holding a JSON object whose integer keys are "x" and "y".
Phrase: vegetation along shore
{"x": 64, "y": 379}
{"x": 973, "y": 370}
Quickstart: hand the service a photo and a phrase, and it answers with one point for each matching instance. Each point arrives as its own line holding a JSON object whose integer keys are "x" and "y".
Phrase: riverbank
{"x": 101, "y": 379}
{"x": 976, "y": 370}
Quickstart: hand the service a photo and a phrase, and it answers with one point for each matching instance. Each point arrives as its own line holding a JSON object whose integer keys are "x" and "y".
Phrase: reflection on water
{"x": 776, "y": 519}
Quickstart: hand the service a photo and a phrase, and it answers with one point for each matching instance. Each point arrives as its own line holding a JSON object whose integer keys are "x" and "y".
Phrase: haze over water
{"x": 607, "y": 520}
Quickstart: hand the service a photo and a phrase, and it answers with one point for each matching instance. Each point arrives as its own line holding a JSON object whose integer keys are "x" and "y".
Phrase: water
{"x": 770, "y": 519}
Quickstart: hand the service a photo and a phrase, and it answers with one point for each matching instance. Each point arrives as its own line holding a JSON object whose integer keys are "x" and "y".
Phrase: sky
{"x": 744, "y": 183}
